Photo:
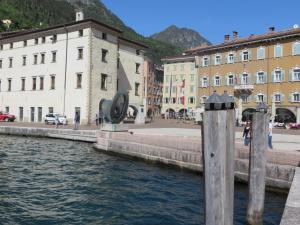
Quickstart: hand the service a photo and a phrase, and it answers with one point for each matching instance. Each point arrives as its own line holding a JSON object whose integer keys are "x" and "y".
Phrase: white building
{"x": 67, "y": 68}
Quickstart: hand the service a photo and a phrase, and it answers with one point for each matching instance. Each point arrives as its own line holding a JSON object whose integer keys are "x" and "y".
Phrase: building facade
{"x": 259, "y": 68}
{"x": 64, "y": 69}
{"x": 153, "y": 90}
{"x": 180, "y": 85}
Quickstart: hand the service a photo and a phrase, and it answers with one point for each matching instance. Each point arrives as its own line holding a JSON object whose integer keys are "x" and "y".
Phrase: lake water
{"x": 47, "y": 181}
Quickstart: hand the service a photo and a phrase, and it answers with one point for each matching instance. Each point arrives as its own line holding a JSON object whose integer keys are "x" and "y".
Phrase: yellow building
{"x": 258, "y": 68}
{"x": 180, "y": 85}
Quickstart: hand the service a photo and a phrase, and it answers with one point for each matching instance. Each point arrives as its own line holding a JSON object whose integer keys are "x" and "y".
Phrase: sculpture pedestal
{"x": 113, "y": 127}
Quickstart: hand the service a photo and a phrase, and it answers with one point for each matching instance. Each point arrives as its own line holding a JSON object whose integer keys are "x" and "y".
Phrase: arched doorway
{"x": 170, "y": 113}
{"x": 248, "y": 114}
{"x": 285, "y": 116}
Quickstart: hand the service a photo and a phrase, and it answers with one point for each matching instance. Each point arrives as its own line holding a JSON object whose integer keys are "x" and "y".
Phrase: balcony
{"x": 243, "y": 89}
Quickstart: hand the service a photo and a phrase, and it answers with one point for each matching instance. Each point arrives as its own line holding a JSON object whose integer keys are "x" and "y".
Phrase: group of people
{"x": 248, "y": 131}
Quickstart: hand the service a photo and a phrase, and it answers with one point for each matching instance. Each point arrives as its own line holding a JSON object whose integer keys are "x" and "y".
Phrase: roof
{"x": 181, "y": 58}
{"x": 271, "y": 36}
{"x": 134, "y": 42}
{"x": 7, "y": 35}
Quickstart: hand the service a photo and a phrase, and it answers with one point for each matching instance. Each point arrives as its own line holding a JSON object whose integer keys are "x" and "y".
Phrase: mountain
{"x": 29, "y": 14}
{"x": 181, "y": 37}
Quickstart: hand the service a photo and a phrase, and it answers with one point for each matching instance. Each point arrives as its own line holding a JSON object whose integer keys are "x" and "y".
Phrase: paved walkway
{"x": 284, "y": 142}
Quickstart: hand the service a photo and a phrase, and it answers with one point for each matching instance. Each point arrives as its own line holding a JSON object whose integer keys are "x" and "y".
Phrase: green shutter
{"x": 291, "y": 75}
{"x": 265, "y": 77}
{"x": 241, "y": 56}
{"x": 250, "y": 54}
{"x": 282, "y": 75}
{"x": 273, "y": 76}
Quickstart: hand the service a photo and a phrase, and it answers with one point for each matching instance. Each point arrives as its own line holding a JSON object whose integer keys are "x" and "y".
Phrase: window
{"x": 261, "y": 53}
{"x": 230, "y": 80}
{"x": 295, "y": 97}
{"x": 54, "y": 38}
{"x": 192, "y": 89}
{"x": 217, "y": 81}
{"x": 0, "y": 63}
{"x": 50, "y": 110}
{"x": 104, "y": 54}
{"x": 277, "y": 76}
{"x": 166, "y": 90}
{"x": 205, "y": 61}
{"x": 40, "y": 114}
{"x": 80, "y": 33}
{"x": 244, "y": 79}
{"x": 191, "y": 100}
{"x": 245, "y": 98}
{"x": 103, "y": 82}
{"x": 296, "y": 75}
{"x": 137, "y": 67}
{"x": 7, "y": 109}
{"x": 204, "y": 82}
{"x": 24, "y": 61}
{"x": 35, "y": 59}
{"x": 104, "y": 36}
{"x": 24, "y": 43}
{"x": 138, "y": 52}
{"x": 43, "y": 40}
{"x": 21, "y": 114}
{"x": 174, "y": 67}
{"x": 9, "y": 85}
{"x": 192, "y": 66}
{"x": 260, "y": 78}
{"x": 260, "y": 97}
{"x": 10, "y": 63}
{"x": 174, "y": 89}
{"x": 41, "y": 83}
{"x": 11, "y": 45}
{"x": 245, "y": 56}
{"x": 136, "y": 89}
{"x": 31, "y": 114}
{"x": 53, "y": 57}
{"x": 230, "y": 58}
{"x": 166, "y": 100}
{"x": 173, "y": 100}
{"x": 296, "y": 48}
{"x": 192, "y": 78}
{"x": 218, "y": 60}
{"x": 34, "y": 83}
{"x": 52, "y": 84}
{"x": 36, "y": 41}
{"x": 22, "y": 84}
{"x": 277, "y": 97}
{"x": 42, "y": 58}
{"x": 278, "y": 50}
{"x": 80, "y": 53}
{"x": 79, "y": 80}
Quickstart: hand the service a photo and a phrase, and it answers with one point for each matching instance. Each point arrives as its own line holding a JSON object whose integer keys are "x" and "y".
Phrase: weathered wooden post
{"x": 218, "y": 159}
{"x": 257, "y": 165}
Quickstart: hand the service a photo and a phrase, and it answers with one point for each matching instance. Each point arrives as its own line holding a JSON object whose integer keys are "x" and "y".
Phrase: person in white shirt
{"x": 270, "y": 135}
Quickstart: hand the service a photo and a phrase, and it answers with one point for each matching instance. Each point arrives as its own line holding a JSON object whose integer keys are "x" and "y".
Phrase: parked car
{"x": 294, "y": 125}
{"x": 280, "y": 125}
{"x": 50, "y": 119}
{"x": 7, "y": 117}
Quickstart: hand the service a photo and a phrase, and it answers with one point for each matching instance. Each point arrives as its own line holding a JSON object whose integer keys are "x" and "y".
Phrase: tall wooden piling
{"x": 218, "y": 160}
{"x": 257, "y": 168}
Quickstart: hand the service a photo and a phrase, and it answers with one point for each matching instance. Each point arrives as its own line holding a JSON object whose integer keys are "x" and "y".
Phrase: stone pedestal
{"x": 141, "y": 115}
{"x": 113, "y": 127}
{"x": 298, "y": 115}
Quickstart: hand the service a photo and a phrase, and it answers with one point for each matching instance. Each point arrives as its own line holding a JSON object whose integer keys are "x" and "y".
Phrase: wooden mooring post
{"x": 218, "y": 159}
{"x": 257, "y": 165}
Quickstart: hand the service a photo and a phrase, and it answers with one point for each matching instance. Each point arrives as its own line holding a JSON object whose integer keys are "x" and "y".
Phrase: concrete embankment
{"x": 185, "y": 152}
{"x": 291, "y": 214}
{"x": 75, "y": 135}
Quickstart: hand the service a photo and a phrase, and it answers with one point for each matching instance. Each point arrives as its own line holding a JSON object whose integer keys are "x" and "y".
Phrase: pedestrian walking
{"x": 97, "y": 120}
{"x": 76, "y": 121}
{"x": 56, "y": 119}
{"x": 247, "y": 134}
{"x": 270, "y": 134}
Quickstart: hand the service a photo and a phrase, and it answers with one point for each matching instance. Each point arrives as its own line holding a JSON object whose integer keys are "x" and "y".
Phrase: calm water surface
{"x": 47, "y": 181}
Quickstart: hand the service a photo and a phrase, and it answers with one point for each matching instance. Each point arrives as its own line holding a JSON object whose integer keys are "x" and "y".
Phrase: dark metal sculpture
{"x": 114, "y": 111}
{"x": 217, "y": 102}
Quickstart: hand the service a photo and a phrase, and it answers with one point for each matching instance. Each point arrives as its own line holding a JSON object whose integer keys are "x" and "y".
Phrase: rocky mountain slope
{"x": 181, "y": 37}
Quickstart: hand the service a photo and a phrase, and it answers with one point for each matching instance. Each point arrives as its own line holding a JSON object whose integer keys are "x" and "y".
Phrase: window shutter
{"x": 290, "y": 97}
{"x": 265, "y": 77}
{"x": 241, "y": 56}
{"x": 208, "y": 84}
{"x": 226, "y": 81}
{"x": 226, "y": 59}
{"x": 250, "y": 54}
{"x": 256, "y": 78}
{"x": 220, "y": 80}
{"x": 273, "y": 76}
{"x": 282, "y": 97}
{"x": 283, "y": 75}
{"x": 208, "y": 60}
{"x": 291, "y": 75}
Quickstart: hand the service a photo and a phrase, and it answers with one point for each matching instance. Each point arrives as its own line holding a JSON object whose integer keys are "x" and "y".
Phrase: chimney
{"x": 235, "y": 35}
{"x": 79, "y": 16}
{"x": 226, "y": 38}
{"x": 271, "y": 29}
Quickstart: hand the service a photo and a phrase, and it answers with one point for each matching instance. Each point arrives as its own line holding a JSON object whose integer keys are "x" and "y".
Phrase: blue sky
{"x": 211, "y": 18}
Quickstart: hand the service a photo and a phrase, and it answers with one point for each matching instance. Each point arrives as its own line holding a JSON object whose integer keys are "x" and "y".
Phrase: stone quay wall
{"x": 186, "y": 153}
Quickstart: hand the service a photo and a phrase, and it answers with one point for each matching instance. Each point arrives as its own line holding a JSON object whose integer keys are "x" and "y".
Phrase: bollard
{"x": 218, "y": 159}
{"x": 257, "y": 165}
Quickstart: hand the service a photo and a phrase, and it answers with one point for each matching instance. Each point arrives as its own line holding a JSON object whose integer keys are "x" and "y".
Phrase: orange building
{"x": 258, "y": 68}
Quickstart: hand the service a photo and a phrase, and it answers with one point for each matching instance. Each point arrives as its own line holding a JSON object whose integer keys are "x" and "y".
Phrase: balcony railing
{"x": 243, "y": 87}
